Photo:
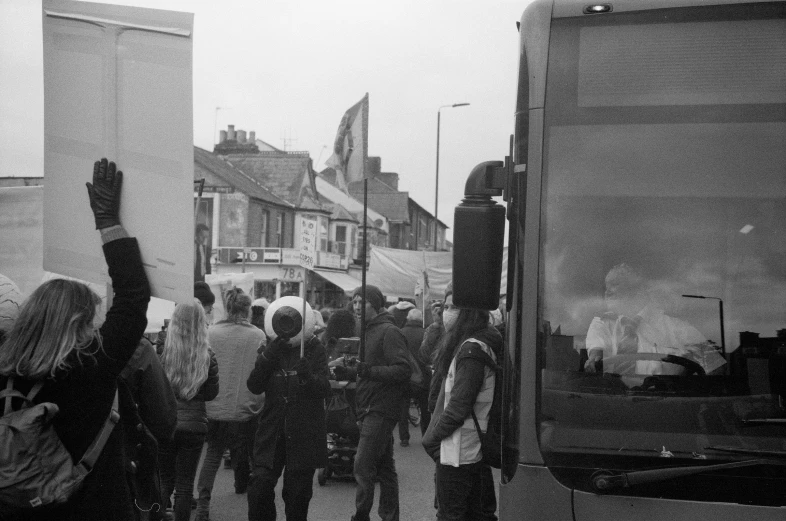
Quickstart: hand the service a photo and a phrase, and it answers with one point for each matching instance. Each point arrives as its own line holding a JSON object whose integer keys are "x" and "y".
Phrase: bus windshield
{"x": 662, "y": 302}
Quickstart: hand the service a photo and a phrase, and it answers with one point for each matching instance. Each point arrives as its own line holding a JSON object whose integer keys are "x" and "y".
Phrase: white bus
{"x": 645, "y": 197}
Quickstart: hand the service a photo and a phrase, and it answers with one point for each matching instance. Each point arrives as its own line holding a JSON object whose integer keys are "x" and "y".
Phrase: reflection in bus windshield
{"x": 634, "y": 323}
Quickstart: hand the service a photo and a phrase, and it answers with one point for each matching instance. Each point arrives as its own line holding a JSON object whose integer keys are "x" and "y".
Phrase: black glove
{"x": 302, "y": 368}
{"x": 343, "y": 374}
{"x": 104, "y": 193}
{"x": 275, "y": 349}
{"x": 363, "y": 369}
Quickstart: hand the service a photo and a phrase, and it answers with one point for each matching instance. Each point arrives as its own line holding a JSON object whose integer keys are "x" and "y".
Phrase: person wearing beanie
{"x": 413, "y": 332}
{"x": 258, "y": 309}
{"x": 400, "y": 311}
{"x": 428, "y": 348}
{"x": 382, "y": 377}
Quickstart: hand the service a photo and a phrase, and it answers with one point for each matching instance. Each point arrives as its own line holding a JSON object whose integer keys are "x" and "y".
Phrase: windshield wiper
{"x": 605, "y": 481}
{"x": 778, "y": 454}
{"x": 764, "y": 421}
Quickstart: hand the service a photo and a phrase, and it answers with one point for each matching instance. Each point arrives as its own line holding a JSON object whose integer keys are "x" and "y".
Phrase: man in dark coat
{"x": 382, "y": 377}
{"x": 413, "y": 332}
{"x": 291, "y": 435}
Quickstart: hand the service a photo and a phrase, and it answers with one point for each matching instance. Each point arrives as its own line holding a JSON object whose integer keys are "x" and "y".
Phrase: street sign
{"x": 308, "y": 243}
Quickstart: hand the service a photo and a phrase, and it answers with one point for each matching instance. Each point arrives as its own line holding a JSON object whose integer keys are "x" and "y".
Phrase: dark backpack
{"x": 36, "y": 470}
{"x": 491, "y": 440}
{"x": 418, "y": 378}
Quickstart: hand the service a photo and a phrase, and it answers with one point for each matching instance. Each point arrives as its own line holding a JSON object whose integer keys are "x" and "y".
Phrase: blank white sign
{"x": 118, "y": 84}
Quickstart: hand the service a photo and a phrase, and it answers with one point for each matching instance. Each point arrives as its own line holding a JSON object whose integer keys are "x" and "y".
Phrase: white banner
{"x": 308, "y": 243}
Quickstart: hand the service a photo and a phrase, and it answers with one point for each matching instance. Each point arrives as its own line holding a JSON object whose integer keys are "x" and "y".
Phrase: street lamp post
{"x": 720, "y": 312}
{"x": 436, "y": 186}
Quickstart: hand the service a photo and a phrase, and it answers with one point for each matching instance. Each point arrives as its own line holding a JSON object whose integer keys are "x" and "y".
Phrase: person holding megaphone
{"x": 292, "y": 371}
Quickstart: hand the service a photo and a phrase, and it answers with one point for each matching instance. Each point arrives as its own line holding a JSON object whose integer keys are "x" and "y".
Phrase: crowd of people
{"x": 245, "y": 384}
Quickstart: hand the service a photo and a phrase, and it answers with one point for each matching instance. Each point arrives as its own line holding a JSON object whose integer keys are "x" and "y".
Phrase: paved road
{"x": 335, "y": 501}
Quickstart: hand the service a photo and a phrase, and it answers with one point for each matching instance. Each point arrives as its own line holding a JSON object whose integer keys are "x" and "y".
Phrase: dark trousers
{"x": 421, "y": 398}
{"x": 296, "y": 493}
{"x": 425, "y": 415}
{"x": 238, "y": 437}
{"x": 403, "y": 421}
{"x": 374, "y": 460}
{"x": 177, "y": 460}
{"x": 466, "y": 492}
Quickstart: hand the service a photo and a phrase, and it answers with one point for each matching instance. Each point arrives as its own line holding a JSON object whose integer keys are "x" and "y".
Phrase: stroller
{"x": 343, "y": 433}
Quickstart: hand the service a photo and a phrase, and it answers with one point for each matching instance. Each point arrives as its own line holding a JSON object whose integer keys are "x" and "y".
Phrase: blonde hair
{"x": 54, "y": 322}
{"x": 186, "y": 355}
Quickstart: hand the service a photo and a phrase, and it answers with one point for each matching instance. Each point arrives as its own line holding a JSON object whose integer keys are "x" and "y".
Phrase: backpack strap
{"x": 90, "y": 456}
{"x": 9, "y": 392}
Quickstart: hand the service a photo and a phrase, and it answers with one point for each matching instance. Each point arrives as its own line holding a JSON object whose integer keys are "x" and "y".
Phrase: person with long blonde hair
{"x": 55, "y": 342}
{"x": 192, "y": 370}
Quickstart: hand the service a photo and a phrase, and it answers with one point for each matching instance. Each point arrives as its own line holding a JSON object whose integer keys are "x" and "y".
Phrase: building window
{"x": 280, "y": 230}
{"x": 323, "y": 234}
{"x": 425, "y": 230}
{"x": 263, "y": 228}
{"x": 340, "y": 245}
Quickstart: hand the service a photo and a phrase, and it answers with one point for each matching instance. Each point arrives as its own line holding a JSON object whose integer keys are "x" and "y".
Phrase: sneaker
{"x": 405, "y": 443}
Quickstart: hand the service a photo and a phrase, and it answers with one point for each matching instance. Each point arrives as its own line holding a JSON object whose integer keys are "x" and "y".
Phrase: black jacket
{"x": 85, "y": 393}
{"x": 151, "y": 392}
{"x": 294, "y": 408}
{"x": 381, "y": 392}
{"x": 191, "y": 414}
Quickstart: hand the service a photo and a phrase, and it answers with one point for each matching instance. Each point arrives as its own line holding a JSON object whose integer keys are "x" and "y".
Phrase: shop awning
{"x": 346, "y": 282}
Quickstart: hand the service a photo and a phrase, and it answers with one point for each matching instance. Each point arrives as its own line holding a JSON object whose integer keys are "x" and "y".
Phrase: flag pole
{"x": 423, "y": 289}
{"x": 303, "y": 327}
{"x": 362, "y": 349}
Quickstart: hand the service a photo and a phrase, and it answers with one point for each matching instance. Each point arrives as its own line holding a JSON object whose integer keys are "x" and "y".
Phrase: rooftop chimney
{"x": 374, "y": 166}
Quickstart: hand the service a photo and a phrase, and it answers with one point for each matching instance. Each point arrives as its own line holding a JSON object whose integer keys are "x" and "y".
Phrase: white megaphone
{"x": 284, "y": 318}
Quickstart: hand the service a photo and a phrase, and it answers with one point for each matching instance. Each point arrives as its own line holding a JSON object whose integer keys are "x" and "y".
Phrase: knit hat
{"x": 203, "y": 293}
{"x": 261, "y": 303}
{"x": 373, "y": 296}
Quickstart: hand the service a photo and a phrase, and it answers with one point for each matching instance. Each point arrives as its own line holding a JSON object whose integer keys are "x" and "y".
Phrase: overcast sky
{"x": 289, "y": 69}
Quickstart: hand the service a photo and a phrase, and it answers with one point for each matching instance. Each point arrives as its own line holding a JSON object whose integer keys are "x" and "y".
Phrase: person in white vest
{"x": 468, "y": 352}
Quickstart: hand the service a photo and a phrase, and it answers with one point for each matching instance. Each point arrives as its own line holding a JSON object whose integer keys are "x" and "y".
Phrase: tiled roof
{"x": 375, "y": 186}
{"x": 341, "y": 214}
{"x": 329, "y": 175}
{"x": 393, "y": 205}
{"x": 281, "y": 173}
{"x": 384, "y": 199}
{"x": 233, "y": 177}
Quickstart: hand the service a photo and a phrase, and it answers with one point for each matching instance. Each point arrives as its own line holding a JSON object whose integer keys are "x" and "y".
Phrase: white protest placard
{"x": 118, "y": 84}
{"x": 308, "y": 242}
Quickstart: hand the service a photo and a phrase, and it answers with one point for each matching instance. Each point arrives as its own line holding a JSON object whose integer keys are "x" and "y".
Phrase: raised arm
{"x": 127, "y": 318}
